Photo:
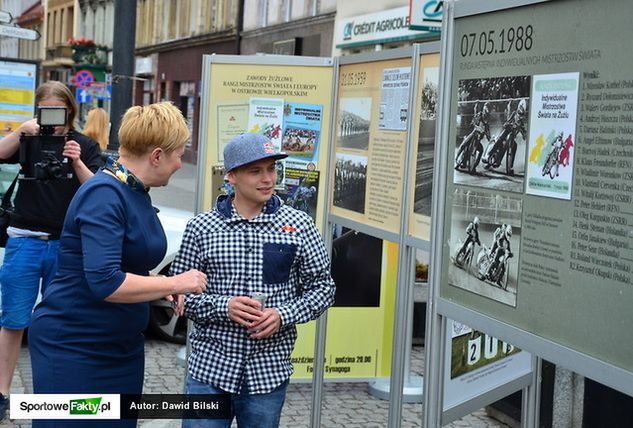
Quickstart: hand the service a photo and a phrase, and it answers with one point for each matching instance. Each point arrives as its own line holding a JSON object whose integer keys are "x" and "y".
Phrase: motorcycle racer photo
{"x": 500, "y": 250}
{"x": 506, "y": 144}
{"x": 472, "y": 235}
{"x": 481, "y": 128}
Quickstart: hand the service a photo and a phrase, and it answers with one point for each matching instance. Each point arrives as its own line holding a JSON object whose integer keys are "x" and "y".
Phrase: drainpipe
{"x": 239, "y": 26}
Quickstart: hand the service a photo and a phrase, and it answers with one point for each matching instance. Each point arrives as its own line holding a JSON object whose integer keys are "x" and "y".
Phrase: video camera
{"x": 41, "y": 156}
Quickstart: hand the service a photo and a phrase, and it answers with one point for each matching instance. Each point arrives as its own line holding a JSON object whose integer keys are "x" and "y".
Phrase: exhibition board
{"x": 18, "y": 80}
{"x": 538, "y": 136}
{"x": 289, "y": 99}
{"x": 371, "y": 139}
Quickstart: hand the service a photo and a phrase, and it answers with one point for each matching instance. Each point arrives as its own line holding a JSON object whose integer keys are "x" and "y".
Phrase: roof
{"x": 32, "y": 15}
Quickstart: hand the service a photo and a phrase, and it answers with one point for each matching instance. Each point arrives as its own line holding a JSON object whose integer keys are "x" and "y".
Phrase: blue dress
{"x": 80, "y": 343}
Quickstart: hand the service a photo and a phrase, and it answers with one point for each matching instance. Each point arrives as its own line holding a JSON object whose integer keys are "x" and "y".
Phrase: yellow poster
{"x": 371, "y": 123}
{"x": 232, "y": 121}
{"x": 231, "y": 90}
{"x": 17, "y": 94}
{"x": 360, "y": 325}
{"x": 424, "y": 134}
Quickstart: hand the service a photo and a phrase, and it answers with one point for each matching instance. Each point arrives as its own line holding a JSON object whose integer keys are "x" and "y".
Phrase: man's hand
{"x": 244, "y": 310}
{"x": 267, "y": 325}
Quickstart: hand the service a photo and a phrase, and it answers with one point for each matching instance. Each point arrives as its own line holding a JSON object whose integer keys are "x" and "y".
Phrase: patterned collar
{"x": 125, "y": 176}
{"x": 224, "y": 205}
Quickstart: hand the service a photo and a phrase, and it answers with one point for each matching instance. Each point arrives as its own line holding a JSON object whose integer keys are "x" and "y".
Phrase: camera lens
{"x": 55, "y": 171}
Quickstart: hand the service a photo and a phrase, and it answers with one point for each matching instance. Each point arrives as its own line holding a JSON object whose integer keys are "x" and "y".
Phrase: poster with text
{"x": 301, "y": 133}
{"x": 301, "y": 190}
{"x": 17, "y": 94}
{"x": 232, "y": 121}
{"x": 552, "y": 135}
{"x": 265, "y": 116}
{"x": 370, "y": 303}
{"x": 369, "y": 156}
{"x": 365, "y": 270}
{"x": 394, "y": 98}
{"x": 573, "y": 259}
{"x": 477, "y": 362}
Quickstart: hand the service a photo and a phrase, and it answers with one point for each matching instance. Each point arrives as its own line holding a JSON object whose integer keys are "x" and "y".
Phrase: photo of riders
{"x": 484, "y": 244}
{"x": 492, "y": 120}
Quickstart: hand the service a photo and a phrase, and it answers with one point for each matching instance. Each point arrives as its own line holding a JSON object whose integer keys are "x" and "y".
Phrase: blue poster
{"x": 302, "y": 131}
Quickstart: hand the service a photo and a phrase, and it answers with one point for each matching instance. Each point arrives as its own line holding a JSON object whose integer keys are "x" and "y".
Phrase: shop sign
{"x": 381, "y": 27}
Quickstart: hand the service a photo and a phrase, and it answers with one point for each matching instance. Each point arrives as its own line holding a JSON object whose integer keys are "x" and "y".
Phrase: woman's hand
{"x": 192, "y": 281}
{"x": 177, "y": 303}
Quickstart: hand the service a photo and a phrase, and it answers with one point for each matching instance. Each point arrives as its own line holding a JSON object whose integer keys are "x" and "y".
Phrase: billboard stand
{"x": 413, "y": 386}
{"x": 443, "y": 404}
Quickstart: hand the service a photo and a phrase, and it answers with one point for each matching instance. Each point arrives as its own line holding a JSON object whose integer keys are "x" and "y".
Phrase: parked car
{"x": 162, "y": 321}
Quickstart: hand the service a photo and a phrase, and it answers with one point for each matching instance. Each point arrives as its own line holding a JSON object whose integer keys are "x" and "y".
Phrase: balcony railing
{"x": 59, "y": 52}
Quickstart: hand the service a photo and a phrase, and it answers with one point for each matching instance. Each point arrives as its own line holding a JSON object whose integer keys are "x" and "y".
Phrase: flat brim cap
{"x": 247, "y": 148}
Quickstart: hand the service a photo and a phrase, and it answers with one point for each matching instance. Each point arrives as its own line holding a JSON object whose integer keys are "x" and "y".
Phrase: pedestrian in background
{"x": 251, "y": 245}
{"x": 98, "y": 127}
{"x": 87, "y": 333}
{"x": 35, "y": 226}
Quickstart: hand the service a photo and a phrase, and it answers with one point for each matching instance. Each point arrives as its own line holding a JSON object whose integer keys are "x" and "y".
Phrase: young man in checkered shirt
{"x": 251, "y": 243}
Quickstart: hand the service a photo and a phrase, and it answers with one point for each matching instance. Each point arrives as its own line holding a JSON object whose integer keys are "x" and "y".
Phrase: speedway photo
{"x": 485, "y": 238}
{"x": 491, "y": 144}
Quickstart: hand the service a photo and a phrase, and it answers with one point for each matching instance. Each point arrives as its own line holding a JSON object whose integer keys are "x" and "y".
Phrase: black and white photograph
{"x": 426, "y": 143}
{"x": 353, "y": 122}
{"x": 484, "y": 244}
{"x": 350, "y": 182}
{"x": 491, "y": 144}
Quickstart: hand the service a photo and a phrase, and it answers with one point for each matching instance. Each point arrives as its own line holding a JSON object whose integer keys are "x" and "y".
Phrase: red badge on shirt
{"x": 288, "y": 228}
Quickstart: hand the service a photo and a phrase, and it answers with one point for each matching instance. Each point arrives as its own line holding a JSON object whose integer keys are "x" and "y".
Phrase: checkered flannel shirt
{"x": 279, "y": 253}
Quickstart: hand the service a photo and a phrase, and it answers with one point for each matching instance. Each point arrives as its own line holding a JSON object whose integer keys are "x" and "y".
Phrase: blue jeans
{"x": 26, "y": 261}
{"x": 251, "y": 410}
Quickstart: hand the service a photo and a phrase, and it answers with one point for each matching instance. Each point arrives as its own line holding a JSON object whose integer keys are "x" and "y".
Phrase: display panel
{"x": 370, "y": 142}
{"x": 568, "y": 193}
{"x": 17, "y": 94}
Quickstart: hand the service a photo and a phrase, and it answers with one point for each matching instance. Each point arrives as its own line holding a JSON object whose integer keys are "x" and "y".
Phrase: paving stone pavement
{"x": 346, "y": 405}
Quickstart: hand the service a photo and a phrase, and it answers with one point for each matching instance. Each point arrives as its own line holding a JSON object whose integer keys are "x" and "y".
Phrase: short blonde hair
{"x": 97, "y": 127}
{"x": 144, "y": 128}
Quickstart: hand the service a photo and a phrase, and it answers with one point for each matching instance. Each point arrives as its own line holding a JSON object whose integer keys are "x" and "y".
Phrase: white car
{"x": 162, "y": 321}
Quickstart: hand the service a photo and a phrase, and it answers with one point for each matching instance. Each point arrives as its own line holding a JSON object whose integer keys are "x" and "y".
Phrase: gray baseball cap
{"x": 247, "y": 148}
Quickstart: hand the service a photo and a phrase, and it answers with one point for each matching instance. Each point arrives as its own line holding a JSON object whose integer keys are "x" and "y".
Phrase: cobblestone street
{"x": 344, "y": 404}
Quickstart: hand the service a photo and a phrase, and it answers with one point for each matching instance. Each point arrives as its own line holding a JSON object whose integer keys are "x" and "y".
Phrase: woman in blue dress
{"x": 86, "y": 336}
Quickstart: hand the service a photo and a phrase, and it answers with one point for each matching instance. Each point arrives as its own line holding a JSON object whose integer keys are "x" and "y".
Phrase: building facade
{"x": 288, "y": 27}
{"x": 373, "y": 26}
{"x": 33, "y": 19}
{"x": 58, "y": 28}
{"x": 171, "y": 38}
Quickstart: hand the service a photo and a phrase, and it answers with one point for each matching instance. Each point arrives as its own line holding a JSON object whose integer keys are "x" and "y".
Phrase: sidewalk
{"x": 344, "y": 404}
{"x": 180, "y": 192}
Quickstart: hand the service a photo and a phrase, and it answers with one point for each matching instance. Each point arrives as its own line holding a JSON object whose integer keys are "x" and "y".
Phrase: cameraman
{"x": 35, "y": 226}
